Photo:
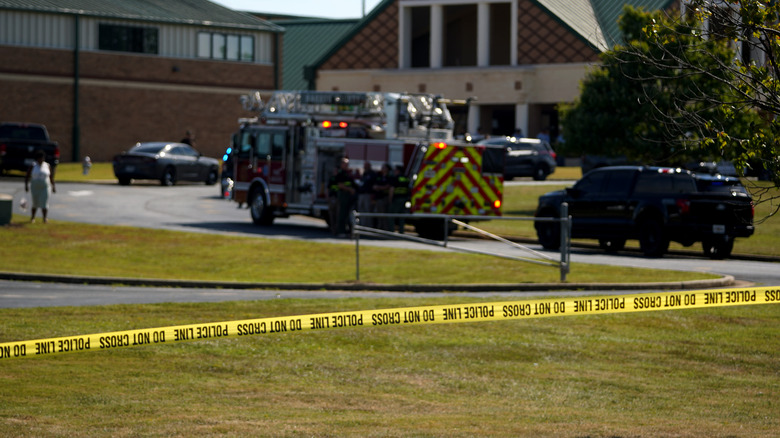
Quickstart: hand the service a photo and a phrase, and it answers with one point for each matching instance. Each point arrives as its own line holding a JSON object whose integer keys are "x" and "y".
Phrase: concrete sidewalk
{"x": 724, "y": 281}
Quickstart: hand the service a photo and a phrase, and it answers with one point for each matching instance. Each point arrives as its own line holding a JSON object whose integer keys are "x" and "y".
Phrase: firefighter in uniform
{"x": 333, "y": 201}
{"x": 346, "y": 195}
{"x": 382, "y": 189}
{"x": 365, "y": 198}
{"x": 399, "y": 196}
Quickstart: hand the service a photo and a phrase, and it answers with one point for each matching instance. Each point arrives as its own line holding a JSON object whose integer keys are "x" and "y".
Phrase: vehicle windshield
{"x": 149, "y": 148}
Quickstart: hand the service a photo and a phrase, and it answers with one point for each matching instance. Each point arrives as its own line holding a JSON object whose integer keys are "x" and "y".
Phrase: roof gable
{"x": 580, "y": 17}
{"x": 608, "y": 13}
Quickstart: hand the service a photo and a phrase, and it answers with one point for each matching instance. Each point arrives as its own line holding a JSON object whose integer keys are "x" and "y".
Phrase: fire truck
{"x": 283, "y": 158}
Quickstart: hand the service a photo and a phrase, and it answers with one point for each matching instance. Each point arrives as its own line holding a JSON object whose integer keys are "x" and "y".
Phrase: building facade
{"x": 105, "y": 75}
{"x": 518, "y": 58}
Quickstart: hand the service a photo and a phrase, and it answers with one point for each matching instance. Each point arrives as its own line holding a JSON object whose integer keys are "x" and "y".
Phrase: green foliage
{"x": 675, "y": 92}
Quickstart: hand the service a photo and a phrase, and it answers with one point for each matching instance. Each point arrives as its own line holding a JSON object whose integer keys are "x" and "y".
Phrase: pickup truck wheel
{"x": 259, "y": 209}
{"x": 549, "y": 234}
{"x": 718, "y": 248}
{"x": 124, "y": 181}
{"x": 168, "y": 177}
{"x": 612, "y": 245}
{"x": 652, "y": 239}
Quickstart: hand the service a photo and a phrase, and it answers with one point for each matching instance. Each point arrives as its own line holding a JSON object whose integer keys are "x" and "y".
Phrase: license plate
{"x": 29, "y": 162}
{"x": 719, "y": 229}
{"x": 129, "y": 168}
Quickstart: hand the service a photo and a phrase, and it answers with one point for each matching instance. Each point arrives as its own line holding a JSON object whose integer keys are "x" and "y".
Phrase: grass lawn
{"x": 687, "y": 373}
{"x": 116, "y": 251}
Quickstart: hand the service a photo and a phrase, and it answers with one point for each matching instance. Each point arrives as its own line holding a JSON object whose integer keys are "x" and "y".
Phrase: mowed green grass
{"x": 116, "y": 251}
{"x": 686, "y": 373}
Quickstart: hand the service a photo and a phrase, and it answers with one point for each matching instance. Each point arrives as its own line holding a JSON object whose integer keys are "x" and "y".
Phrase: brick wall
{"x": 126, "y": 98}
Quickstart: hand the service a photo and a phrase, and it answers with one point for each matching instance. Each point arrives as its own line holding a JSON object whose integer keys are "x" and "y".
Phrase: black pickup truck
{"x": 654, "y": 205}
{"x": 20, "y": 141}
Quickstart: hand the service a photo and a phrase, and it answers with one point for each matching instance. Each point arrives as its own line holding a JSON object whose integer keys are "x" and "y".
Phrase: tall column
{"x": 405, "y": 38}
{"x": 513, "y": 35}
{"x": 437, "y": 36}
{"x": 521, "y": 118}
{"x": 473, "y": 118}
{"x": 483, "y": 34}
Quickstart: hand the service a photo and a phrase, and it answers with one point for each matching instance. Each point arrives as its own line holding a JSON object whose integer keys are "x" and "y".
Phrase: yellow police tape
{"x": 441, "y": 314}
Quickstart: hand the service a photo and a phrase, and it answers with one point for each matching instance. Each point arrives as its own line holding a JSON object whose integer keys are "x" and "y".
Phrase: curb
{"x": 724, "y": 281}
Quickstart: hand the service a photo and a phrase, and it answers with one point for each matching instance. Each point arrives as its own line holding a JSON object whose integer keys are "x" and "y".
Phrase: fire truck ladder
{"x": 316, "y": 103}
{"x": 420, "y": 109}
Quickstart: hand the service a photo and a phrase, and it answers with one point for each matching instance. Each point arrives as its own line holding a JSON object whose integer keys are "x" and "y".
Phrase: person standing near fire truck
{"x": 382, "y": 189}
{"x": 365, "y": 199}
{"x": 346, "y": 195}
{"x": 399, "y": 196}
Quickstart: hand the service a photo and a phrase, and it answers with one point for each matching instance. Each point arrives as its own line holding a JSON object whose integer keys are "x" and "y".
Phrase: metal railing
{"x": 563, "y": 264}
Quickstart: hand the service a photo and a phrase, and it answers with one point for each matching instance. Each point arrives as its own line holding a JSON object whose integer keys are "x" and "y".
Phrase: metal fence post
{"x": 446, "y": 230}
{"x": 356, "y": 234}
{"x": 564, "y": 240}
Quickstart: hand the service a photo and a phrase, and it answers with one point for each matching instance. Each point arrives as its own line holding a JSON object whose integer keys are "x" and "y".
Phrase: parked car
{"x": 167, "y": 162}
{"x": 525, "y": 157}
{"x": 653, "y": 205}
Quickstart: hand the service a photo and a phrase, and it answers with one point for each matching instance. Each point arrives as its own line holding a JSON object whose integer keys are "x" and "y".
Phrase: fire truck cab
{"x": 284, "y": 158}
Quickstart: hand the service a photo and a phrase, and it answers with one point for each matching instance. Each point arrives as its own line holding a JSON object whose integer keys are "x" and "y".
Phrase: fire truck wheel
{"x": 258, "y": 207}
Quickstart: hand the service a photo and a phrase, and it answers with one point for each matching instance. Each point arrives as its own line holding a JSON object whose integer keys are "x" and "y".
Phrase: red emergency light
{"x": 327, "y": 124}
{"x": 440, "y": 145}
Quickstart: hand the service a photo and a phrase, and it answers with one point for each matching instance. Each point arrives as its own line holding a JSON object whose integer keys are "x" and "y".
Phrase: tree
{"x": 698, "y": 85}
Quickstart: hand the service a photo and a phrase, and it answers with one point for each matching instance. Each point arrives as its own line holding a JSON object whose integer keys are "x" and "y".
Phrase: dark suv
{"x": 653, "y": 205}
{"x": 525, "y": 157}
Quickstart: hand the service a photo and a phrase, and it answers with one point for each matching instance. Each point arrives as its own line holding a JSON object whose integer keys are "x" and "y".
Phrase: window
{"x": 128, "y": 39}
{"x": 493, "y": 160}
{"x": 460, "y": 35}
{"x": 421, "y": 37}
{"x": 226, "y": 46}
{"x": 618, "y": 182}
{"x": 591, "y": 183}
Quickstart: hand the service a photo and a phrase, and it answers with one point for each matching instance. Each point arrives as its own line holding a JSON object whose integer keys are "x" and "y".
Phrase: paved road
{"x": 17, "y": 294}
{"x": 198, "y": 208}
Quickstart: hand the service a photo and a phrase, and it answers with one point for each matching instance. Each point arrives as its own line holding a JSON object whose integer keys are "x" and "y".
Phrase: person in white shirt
{"x": 40, "y": 178}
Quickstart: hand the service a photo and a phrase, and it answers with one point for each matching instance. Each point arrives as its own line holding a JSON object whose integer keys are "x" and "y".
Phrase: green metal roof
{"x": 609, "y": 11}
{"x": 596, "y": 21}
{"x": 192, "y": 12}
{"x": 304, "y": 42}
